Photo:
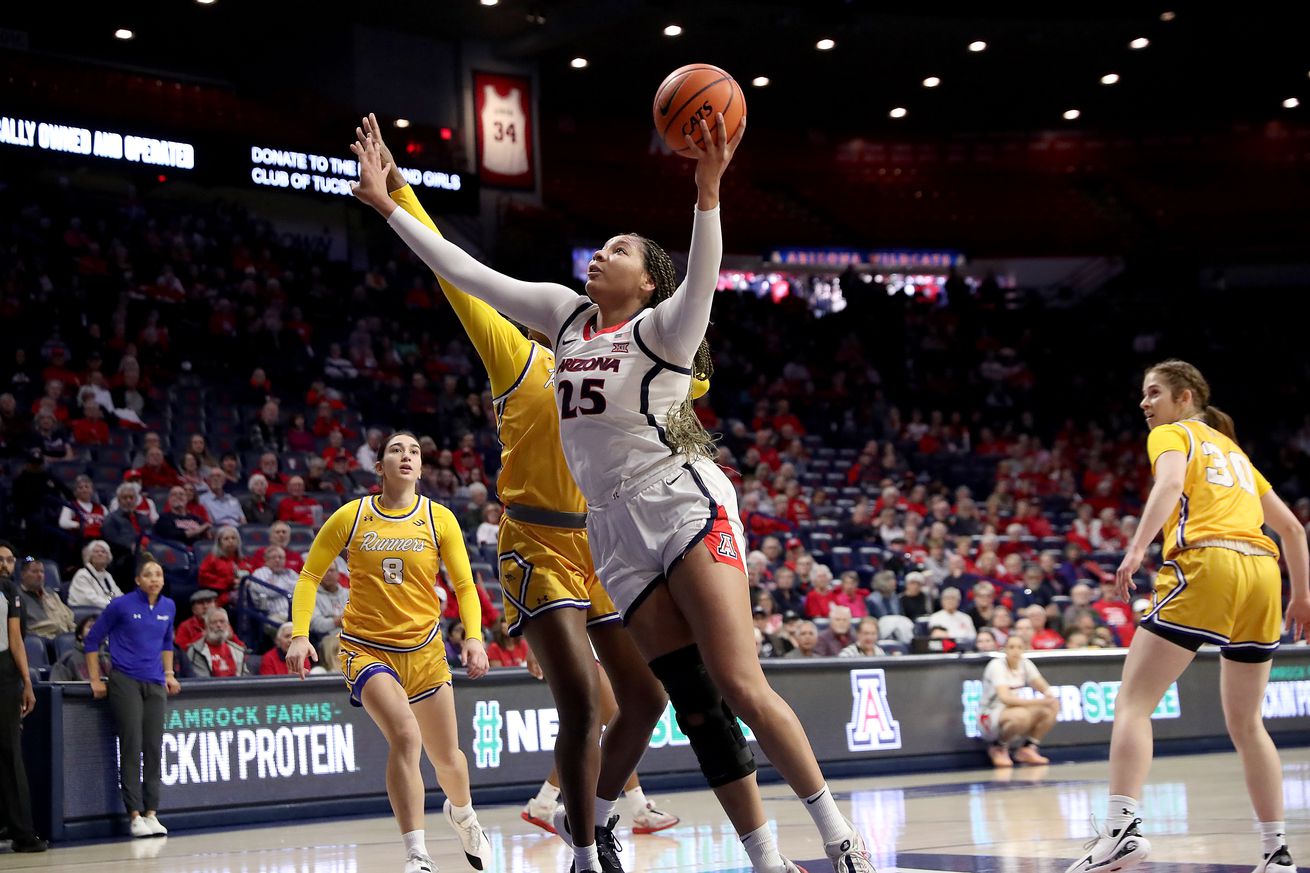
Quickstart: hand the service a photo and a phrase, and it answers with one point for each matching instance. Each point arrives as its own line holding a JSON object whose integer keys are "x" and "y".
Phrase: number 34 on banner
{"x": 503, "y": 109}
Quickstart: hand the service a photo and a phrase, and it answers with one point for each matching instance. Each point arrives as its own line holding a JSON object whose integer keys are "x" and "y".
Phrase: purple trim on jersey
{"x": 357, "y": 687}
{"x": 1182, "y": 521}
{"x": 532, "y": 356}
{"x": 559, "y": 337}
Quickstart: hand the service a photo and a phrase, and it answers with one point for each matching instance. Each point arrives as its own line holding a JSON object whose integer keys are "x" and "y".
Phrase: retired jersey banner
{"x": 503, "y": 119}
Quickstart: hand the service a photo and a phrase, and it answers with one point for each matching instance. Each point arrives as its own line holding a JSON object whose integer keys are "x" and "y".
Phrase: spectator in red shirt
{"x": 91, "y": 429}
{"x": 193, "y": 628}
{"x": 336, "y": 448}
{"x": 193, "y": 504}
{"x": 224, "y": 567}
{"x": 215, "y": 654}
{"x": 467, "y": 459}
{"x": 1115, "y": 613}
{"x": 279, "y": 534}
{"x": 299, "y": 437}
{"x": 85, "y": 515}
{"x": 783, "y": 417}
{"x": 157, "y": 472}
{"x": 798, "y": 509}
{"x": 505, "y": 650}
{"x": 1043, "y": 637}
{"x": 325, "y": 421}
{"x": 298, "y": 508}
{"x": 269, "y": 467}
{"x": 821, "y": 597}
{"x": 274, "y": 662}
{"x": 764, "y": 446}
{"x": 851, "y": 595}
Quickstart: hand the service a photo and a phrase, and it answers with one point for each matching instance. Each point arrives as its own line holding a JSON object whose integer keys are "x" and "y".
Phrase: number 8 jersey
{"x": 394, "y": 558}
{"x": 1220, "y": 503}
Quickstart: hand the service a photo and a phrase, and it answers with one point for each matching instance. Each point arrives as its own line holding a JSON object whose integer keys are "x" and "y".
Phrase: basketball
{"x": 692, "y": 93}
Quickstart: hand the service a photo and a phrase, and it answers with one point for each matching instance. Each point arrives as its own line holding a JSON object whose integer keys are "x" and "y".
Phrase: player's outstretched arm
{"x": 679, "y": 323}
{"x": 540, "y": 305}
{"x": 328, "y": 543}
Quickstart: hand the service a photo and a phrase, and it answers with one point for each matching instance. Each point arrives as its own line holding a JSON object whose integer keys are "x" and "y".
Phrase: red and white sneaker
{"x": 650, "y": 820}
{"x": 540, "y": 813}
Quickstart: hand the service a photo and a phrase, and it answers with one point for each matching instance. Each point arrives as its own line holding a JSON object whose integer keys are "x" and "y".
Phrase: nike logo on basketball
{"x": 664, "y": 106}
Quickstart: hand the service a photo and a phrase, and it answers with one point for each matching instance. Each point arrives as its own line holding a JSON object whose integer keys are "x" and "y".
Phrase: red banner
{"x": 503, "y": 118}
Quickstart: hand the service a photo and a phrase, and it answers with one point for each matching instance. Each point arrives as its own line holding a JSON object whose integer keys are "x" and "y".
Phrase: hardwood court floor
{"x": 1028, "y": 821}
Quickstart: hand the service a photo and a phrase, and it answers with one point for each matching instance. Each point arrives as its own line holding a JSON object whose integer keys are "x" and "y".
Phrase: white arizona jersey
{"x": 504, "y": 145}
{"x": 614, "y": 397}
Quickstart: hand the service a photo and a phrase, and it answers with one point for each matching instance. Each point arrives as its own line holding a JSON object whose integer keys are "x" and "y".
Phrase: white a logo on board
{"x": 872, "y": 726}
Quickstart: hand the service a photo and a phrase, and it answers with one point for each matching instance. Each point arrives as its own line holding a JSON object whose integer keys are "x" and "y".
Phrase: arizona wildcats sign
{"x": 872, "y": 727}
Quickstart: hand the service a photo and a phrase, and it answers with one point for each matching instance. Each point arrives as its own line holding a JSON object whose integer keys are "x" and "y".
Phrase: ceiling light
{"x": 673, "y": 30}
{"x": 977, "y": 46}
{"x": 124, "y": 33}
{"x": 205, "y": 2}
{"x": 825, "y": 44}
{"x": 489, "y": 2}
{"x": 760, "y": 81}
{"x": 931, "y": 82}
{"x": 1291, "y": 103}
{"x": 1110, "y": 79}
{"x": 898, "y": 112}
{"x": 1071, "y": 114}
{"x": 1167, "y": 16}
{"x": 578, "y": 63}
{"x": 401, "y": 122}
{"x": 1140, "y": 43}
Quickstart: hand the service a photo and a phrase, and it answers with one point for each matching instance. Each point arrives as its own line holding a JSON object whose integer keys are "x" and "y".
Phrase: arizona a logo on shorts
{"x": 872, "y": 726}
{"x": 727, "y": 546}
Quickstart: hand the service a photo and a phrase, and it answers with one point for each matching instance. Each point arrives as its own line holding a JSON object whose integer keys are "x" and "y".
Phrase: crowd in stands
{"x": 184, "y": 379}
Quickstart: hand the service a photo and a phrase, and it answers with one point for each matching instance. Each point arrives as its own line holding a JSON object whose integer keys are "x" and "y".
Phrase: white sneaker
{"x": 418, "y": 863}
{"x": 1110, "y": 853}
{"x": 141, "y": 828}
{"x": 1278, "y": 862}
{"x": 156, "y": 829}
{"x": 650, "y": 820}
{"x": 791, "y": 867}
{"x": 477, "y": 849}
{"x": 540, "y": 813}
{"x": 848, "y": 855}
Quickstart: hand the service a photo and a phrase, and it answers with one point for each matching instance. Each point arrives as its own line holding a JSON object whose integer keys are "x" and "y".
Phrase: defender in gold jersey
{"x": 1220, "y": 584}
{"x": 392, "y": 654}
{"x": 552, "y": 593}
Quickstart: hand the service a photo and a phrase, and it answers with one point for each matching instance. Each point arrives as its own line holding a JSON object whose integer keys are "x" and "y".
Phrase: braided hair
{"x": 1181, "y": 376}
{"x": 684, "y": 432}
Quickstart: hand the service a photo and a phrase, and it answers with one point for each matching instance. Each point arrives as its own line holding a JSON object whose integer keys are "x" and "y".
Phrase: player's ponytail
{"x": 1181, "y": 376}
{"x": 684, "y": 432}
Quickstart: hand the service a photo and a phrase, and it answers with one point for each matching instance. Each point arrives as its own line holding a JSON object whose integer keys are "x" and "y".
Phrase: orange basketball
{"x": 692, "y": 93}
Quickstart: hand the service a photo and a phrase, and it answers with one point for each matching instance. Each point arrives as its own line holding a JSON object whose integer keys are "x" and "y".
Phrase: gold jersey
{"x": 1221, "y": 489}
{"x": 394, "y": 558}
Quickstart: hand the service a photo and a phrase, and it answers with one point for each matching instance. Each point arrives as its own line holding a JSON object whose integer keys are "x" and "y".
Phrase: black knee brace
{"x": 704, "y": 716}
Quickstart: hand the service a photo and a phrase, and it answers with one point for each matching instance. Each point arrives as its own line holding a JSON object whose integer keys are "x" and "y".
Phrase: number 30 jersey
{"x": 1221, "y": 489}
{"x": 614, "y": 397}
{"x": 394, "y": 557}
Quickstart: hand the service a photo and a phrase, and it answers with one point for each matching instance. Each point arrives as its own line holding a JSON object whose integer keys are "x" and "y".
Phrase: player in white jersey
{"x": 663, "y": 521}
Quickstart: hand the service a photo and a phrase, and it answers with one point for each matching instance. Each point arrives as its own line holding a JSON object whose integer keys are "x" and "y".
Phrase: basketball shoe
{"x": 849, "y": 855}
{"x": 651, "y": 820}
{"x": 1278, "y": 862}
{"x": 1112, "y": 852}
{"x": 474, "y": 842}
{"x": 540, "y": 814}
{"x": 418, "y": 863}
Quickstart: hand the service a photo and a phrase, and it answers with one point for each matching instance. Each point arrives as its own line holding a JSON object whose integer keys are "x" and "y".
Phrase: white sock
{"x": 585, "y": 858}
{"x": 461, "y": 814}
{"x": 762, "y": 850}
{"x": 833, "y": 826}
{"x": 548, "y": 793}
{"x": 1273, "y": 836}
{"x": 1120, "y": 810}
{"x": 604, "y": 809}
{"x": 414, "y": 843}
{"x": 636, "y": 800}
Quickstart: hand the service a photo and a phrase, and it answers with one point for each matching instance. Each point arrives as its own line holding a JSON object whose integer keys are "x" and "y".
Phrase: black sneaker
{"x": 29, "y": 844}
{"x": 608, "y": 848}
